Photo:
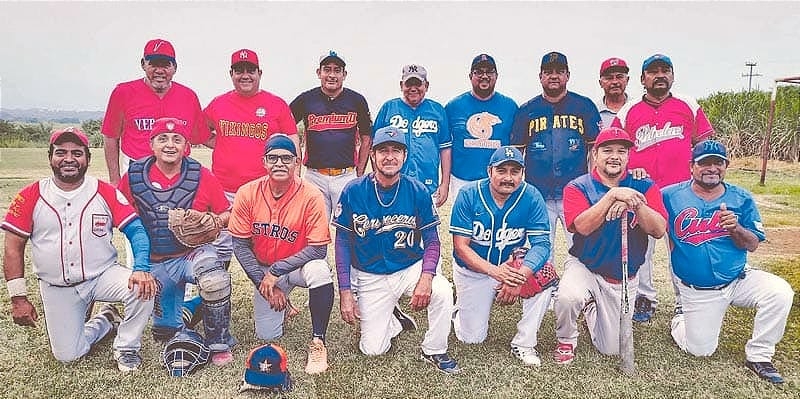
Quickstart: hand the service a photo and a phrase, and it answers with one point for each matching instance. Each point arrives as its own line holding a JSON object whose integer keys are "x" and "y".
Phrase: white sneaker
{"x": 317, "y": 357}
{"x": 528, "y": 356}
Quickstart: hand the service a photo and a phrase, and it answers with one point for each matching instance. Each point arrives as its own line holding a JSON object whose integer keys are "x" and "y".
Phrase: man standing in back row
{"x": 663, "y": 126}
{"x": 613, "y": 80}
{"x": 338, "y": 130}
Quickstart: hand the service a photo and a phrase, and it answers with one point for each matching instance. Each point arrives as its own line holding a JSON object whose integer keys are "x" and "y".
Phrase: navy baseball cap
{"x": 613, "y": 134}
{"x": 267, "y": 369}
{"x": 331, "y": 56}
{"x": 506, "y": 154}
{"x": 556, "y": 58}
{"x": 483, "y": 59}
{"x": 280, "y": 141}
{"x": 709, "y": 148}
{"x": 388, "y": 134}
{"x": 656, "y": 58}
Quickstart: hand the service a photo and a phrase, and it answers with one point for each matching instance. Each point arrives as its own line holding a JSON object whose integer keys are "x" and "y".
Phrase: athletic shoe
{"x": 221, "y": 358}
{"x": 678, "y": 310}
{"x": 564, "y": 353}
{"x": 443, "y": 362}
{"x": 528, "y": 356}
{"x": 643, "y": 309}
{"x": 127, "y": 361}
{"x": 405, "y": 320}
{"x": 765, "y": 370}
{"x": 317, "y": 357}
{"x": 111, "y": 313}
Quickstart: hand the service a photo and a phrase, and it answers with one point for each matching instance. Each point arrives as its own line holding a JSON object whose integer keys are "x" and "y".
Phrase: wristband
{"x": 17, "y": 287}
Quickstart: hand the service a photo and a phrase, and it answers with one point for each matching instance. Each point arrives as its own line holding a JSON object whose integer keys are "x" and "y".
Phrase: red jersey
{"x": 133, "y": 108}
{"x": 209, "y": 196}
{"x": 279, "y": 228}
{"x": 243, "y": 125}
{"x": 663, "y": 136}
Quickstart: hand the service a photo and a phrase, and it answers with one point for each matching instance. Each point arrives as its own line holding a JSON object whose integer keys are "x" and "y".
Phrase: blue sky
{"x": 70, "y": 55}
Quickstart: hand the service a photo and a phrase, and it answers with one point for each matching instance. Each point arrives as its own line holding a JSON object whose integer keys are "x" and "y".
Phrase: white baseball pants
{"x": 555, "y": 212}
{"x": 331, "y": 186}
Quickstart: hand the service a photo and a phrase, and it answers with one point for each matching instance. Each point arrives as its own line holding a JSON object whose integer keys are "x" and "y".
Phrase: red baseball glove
{"x": 541, "y": 280}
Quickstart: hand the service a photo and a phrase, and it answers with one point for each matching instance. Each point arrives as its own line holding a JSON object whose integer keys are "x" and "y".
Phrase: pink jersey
{"x": 70, "y": 231}
{"x": 209, "y": 196}
{"x": 134, "y": 106}
{"x": 243, "y": 125}
{"x": 663, "y": 136}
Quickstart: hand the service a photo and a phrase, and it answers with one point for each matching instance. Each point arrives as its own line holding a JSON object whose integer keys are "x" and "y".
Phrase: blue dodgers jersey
{"x": 426, "y": 132}
{"x": 387, "y": 239}
{"x": 601, "y": 250}
{"x": 704, "y": 253}
{"x": 555, "y": 137}
{"x": 477, "y": 128}
{"x": 332, "y": 126}
{"x": 495, "y": 232}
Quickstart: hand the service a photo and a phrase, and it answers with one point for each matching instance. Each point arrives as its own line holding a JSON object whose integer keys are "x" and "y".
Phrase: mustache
{"x": 660, "y": 80}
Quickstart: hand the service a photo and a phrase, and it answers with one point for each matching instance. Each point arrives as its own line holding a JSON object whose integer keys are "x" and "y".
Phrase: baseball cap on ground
{"x": 266, "y": 369}
{"x": 656, "y": 58}
{"x": 159, "y": 48}
{"x": 280, "y": 141}
{"x": 709, "y": 148}
{"x": 613, "y": 64}
{"x": 72, "y": 134}
{"x": 388, "y": 134}
{"x": 331, "y": 56}
{"x": 244, "y": 55}
{"x": 483, "y": 59}
{"x": 613, "y": 134}
{"x": 169, "y": 125}
{"x": 555, "y": 58}
{"x": 506, "y": 154}
{"x": 414, "y": 71}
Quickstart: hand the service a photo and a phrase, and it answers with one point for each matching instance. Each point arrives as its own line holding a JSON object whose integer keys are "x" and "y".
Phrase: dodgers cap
{"x": 506, "y": 154}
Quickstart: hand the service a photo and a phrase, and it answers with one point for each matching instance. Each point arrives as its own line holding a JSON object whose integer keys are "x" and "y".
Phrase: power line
{"x": 751, "y": 74}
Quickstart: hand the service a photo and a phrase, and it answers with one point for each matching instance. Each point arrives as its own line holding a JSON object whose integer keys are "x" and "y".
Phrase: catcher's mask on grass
{"x": 184, "y": 353}
{"x": 266, "y": 369}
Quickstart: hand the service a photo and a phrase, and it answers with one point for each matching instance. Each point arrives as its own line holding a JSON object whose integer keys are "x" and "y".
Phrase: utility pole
{"x": 751, "y": 74}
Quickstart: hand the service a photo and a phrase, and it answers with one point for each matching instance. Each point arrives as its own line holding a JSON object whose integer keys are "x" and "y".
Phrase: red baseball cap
{"x": 73, "y": 131}
{"x": 159, "y": 48}
{"x": 613, "y": 134}
{"x": 244, "y": 55}
{"x": 169, "y": 125}
{"x": 614, "y": 62}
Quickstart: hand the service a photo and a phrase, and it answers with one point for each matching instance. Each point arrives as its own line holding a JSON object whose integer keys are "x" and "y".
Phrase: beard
{"x": 708, "y": 184}
{"x": 72, "y": 178}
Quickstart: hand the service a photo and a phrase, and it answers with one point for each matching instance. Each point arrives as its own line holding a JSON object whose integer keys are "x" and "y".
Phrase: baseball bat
{"x": 625, "y": 321}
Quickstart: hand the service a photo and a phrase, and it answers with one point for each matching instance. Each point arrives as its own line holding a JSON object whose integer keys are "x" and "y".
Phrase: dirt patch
{"x": 781, "y": 242}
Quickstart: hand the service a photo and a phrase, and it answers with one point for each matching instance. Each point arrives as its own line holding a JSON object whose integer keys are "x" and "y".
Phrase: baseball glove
{"x": 193, "y": 228}
{"x": 541, "y": 280}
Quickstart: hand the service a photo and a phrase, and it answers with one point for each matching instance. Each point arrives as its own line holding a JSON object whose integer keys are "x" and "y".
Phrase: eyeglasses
{"x": 480, "y": 72}
{"x": 286, "y": 159}
{"x": 611, "y": 76}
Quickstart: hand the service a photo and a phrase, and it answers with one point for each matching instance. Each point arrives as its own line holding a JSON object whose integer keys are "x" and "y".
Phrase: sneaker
{"x": 528, "y": 356}
{"x": 564, "y": 353}
{"x": 405, "y": 320}
{"x": 221, "y": 358}
{"x": 765, "y": 370}
{"x": 111, "y": 313}
{"x": 127, "y": 361}
{"x": 678, "y": 310}
{"x": 317, "y": 357}
{"x": 643, "y": 309}
{"x": 443, "y": 363}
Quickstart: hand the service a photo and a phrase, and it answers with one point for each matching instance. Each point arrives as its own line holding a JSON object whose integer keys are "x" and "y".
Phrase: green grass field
{"x": 28, "y": 370}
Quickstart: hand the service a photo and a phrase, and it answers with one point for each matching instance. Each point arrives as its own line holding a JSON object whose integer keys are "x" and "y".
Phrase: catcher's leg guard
{"x": 215, "y": 291}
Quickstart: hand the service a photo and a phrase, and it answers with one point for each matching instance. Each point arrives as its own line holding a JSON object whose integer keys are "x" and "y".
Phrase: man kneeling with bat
{"x": 611, "y": 213}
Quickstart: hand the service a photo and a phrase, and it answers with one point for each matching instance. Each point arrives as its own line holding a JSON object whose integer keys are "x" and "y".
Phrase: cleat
{"x": 564, "y": 353}
{"x": 317, "y": 357}
{"x": 127, "y": 361}
{"x": 405, "y": 320}
{"x": 443, "y": 362}
{"x": 644, "y": 309}
{"x": 765, "y": 370}
{"x": 528, "y": 356}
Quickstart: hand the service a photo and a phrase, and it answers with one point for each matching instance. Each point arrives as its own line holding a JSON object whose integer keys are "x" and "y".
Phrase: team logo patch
{"x": 170, "y": 126}
{"x": 261, "y": 112}
{"x": 480, "y": 126}
{"x": 100, "y": 225}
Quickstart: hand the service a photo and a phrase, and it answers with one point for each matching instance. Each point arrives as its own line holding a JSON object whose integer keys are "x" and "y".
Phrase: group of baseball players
{"x": 620, "y": 169}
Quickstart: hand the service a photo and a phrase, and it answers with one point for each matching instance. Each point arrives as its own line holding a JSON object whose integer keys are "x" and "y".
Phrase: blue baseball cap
{"x": 331, "y": 56}
{"x": 709, "y": 148}
{"x": 280, "y": 141}
{"x": 388, "y": 134}
{"x": 483, "y": 59}
{"x": 267, "y": 369}
{"x": 656, "y": 58}
{"x": 554, "y": 57}
{"x": 506, "y": 154}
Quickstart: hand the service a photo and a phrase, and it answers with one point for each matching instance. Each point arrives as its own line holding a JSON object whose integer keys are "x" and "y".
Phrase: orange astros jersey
{"x": 279, "y": 228}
